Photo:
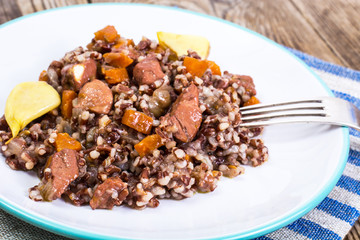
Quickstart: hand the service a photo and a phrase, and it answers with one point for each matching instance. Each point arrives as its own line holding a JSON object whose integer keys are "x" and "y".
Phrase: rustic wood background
{"x": 329, "y": 30}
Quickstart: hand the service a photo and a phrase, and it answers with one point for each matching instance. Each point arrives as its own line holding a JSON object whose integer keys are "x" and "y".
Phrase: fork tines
{"x": 264, "y": 114}
{"x": 327, "y": 110}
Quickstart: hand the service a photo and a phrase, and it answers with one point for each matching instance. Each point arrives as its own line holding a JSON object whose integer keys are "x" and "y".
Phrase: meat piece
{"x": 185, "y": 115}
{"x": 112, "y": 191}
{"x": 148, "y": 71}
{"x": 78, "y": 74}
{"x": 24, "y": 160}
{"x": 245, "y": 81}
{"x": 16, "y": 146}
{"x": 143, "y": 44}
{"x": 96, "y": 96}
{"x": 63, "y": 169}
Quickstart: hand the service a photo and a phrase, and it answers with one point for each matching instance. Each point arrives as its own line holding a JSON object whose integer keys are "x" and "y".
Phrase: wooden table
{"x": 329, "y": 30}
{"x": 325, "y": 29}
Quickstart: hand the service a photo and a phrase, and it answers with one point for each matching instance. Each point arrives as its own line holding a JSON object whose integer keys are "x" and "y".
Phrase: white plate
{"x": 301, "y": 170}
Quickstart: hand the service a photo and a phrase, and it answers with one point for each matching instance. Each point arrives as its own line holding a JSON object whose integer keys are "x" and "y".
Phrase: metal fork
{"x": 327, "y": 110}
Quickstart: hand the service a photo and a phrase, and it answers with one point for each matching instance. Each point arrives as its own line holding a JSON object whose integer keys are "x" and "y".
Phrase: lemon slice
{"x": 181, "y": 43}
{"x": 28, "y": 101}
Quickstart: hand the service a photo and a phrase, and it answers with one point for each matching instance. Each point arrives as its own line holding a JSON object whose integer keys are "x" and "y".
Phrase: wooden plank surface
{"x": 329, "y": 29}
{"x": 338, "y": 24}
{"x": 281, "y": 21}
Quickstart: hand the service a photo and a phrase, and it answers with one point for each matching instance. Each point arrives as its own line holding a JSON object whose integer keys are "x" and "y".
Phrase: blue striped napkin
{"x": 337, "y": 213}
{"x": 331, "y": 219}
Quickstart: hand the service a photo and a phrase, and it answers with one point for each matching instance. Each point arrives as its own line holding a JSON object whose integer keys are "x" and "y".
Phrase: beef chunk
{"x": 112, "y": 191}
{"x": 78, "y": 74}
{"x": 63, "y": 169}
{"x": 95, "y": 96}
{"x": 148, "y": 71}
{"x": 185, "y": 115}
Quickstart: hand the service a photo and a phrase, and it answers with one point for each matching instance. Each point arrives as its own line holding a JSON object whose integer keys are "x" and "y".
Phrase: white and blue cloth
{"x": 337, "y": 213}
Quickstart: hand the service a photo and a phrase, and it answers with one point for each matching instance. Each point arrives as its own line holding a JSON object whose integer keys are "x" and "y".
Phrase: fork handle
{"x": 299, "y": 119}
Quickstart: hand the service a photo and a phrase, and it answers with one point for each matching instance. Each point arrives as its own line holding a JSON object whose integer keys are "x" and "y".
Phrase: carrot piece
{"x": 117, "y": 59}
{"x": 63, "y": 140}
{"x": 195, "y": 66}
{"x": 124, "y": 42}
{"x": 66, "y": 103}
{"x": 116, "y": 75}
{"x": 138, "y": 121}
{"x": 43, "y": 76}
{"x": 148, "y": 144}
{"x": 215, "y": 69}
{"x": 198, "y": 67}
{"x": 253, "y": 100}
{"x": 108, "y": 34}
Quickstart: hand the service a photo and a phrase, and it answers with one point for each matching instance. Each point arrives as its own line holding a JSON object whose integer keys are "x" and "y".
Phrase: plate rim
{"x": 72, "y": 232}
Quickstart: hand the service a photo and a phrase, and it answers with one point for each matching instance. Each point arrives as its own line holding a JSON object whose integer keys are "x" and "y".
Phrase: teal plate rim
{"x": 71, "y": 232}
